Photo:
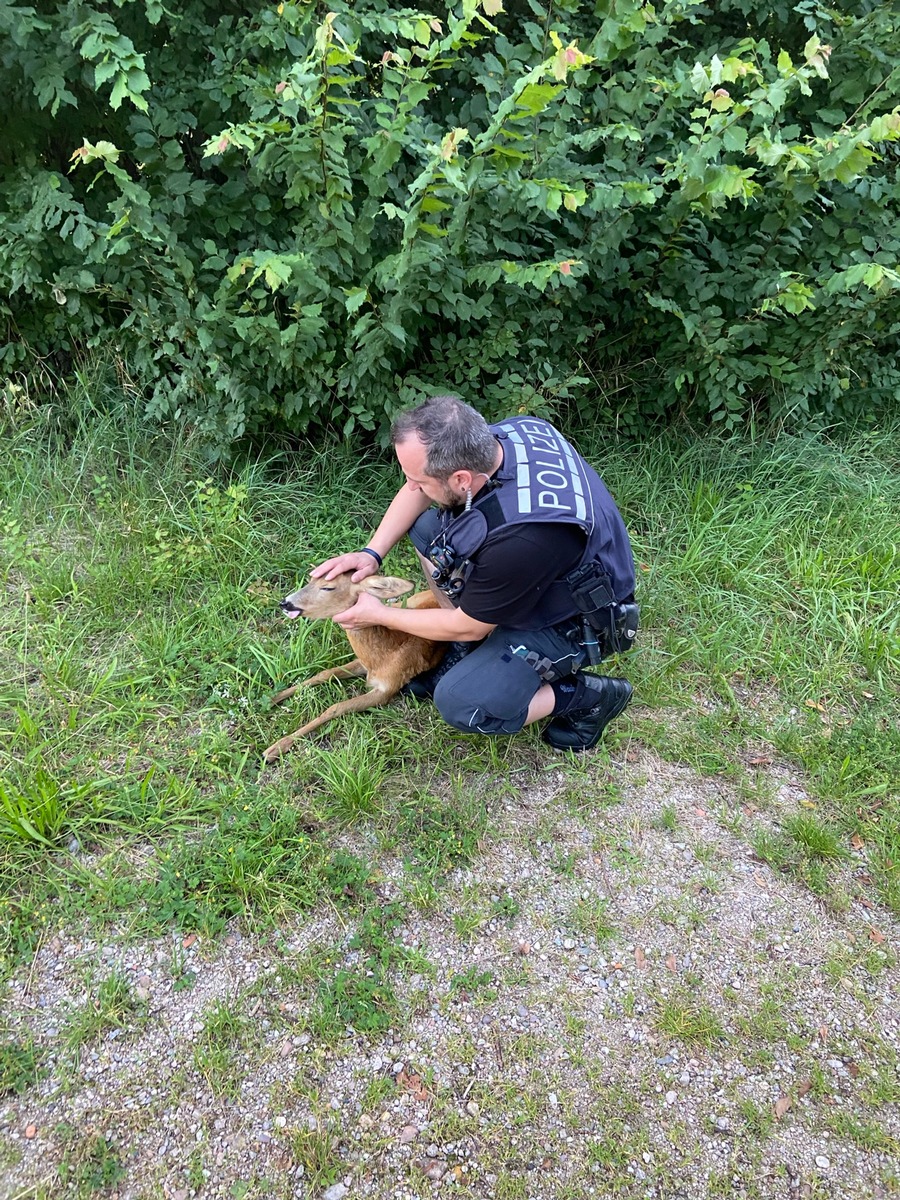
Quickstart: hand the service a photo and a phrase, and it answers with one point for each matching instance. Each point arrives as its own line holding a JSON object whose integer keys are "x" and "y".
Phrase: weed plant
{"x": 140, "y": 643}
{"x": 91, "y": 1164}
{"x": 219, "y": 1054}
{"x": 316, "y": 1150}
{"x": 20, "y": 1065}
{"x": 688, "y": 1021}
{"x": 113, "y": 1006}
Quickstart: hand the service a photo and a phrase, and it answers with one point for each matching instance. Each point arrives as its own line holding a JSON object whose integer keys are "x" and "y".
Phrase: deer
{"x": 386, "y": 657}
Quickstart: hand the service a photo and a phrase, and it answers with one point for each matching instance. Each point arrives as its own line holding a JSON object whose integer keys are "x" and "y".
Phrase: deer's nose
{"x": 288, "y": 606}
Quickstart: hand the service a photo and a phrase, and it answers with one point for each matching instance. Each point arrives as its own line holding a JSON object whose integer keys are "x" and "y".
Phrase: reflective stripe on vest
{"x": 543, "y": 479}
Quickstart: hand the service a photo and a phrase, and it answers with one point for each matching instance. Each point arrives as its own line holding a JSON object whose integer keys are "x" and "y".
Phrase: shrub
{"x": 287, "y": 215}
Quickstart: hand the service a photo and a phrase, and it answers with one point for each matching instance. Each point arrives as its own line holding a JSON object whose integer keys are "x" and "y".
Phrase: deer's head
{"x": 326, "y": 597}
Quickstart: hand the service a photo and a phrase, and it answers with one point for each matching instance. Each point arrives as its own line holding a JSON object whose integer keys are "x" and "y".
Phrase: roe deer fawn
{"x": 387, "y": 658}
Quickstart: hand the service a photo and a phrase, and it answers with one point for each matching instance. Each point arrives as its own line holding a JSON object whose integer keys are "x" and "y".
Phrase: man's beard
{"x": 448, "y": 501}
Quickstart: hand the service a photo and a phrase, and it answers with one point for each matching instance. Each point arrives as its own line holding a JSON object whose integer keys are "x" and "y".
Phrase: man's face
{"x": 411, "y": 455}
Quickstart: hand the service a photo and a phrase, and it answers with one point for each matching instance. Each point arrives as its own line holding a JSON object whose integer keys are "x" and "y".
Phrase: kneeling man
{"x": 530, "y": 560}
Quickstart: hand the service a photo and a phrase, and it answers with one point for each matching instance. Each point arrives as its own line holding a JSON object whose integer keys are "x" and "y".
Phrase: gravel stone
{"x": 337, "y": 1191}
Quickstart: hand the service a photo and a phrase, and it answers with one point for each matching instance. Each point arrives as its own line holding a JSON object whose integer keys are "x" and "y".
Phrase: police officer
{"x": 519, "y": 516}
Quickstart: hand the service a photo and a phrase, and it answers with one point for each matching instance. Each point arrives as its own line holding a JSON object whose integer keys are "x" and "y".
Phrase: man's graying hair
{"x": 455, "y": 436}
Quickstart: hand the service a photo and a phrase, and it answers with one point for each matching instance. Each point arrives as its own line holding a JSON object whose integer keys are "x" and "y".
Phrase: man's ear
{"x": 386, "y": 587}
{"x": 461, "y": 480}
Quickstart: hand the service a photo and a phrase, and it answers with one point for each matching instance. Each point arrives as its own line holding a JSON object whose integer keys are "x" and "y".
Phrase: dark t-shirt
{"x": 512, "y": 572}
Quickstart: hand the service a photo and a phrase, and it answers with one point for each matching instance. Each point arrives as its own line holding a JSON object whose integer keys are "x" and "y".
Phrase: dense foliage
{"x": 298, "y": 214}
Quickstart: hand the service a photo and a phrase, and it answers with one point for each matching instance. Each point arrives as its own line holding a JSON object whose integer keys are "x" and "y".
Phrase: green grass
{"x": 472, "y": 982}
{"x": 623, "y": 1137}
{"x": 219, "y": 1054}
{"x": 353, "y": 776}
{"x": 20, "y": 1065}
{"x": 111, "y": 1005}
{"x": 92, "y": 1164}
{"x": 438, "y": 832}
{"x": 868, "y": 1135}
{"x": 317, "y": 1151}
{"x": 689, "y": 1021}
{"x": 140, "y": 643}
{"x": 590, "y": 917}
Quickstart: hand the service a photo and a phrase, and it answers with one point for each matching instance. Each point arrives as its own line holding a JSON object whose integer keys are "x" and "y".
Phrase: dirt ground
{"x": 617, "y": 998}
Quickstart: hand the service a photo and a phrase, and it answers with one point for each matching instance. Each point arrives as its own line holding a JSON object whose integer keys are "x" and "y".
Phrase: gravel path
{"x": 611, "y": 1001}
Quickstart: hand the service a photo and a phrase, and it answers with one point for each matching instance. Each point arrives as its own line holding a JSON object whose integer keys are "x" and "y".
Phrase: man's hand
{"x": 434, "y": 624}
{"x": 362, "y": 565}
{"x": 365, "y": 612}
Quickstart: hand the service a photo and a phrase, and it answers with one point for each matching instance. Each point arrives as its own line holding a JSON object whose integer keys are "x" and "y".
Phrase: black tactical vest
{"x": 543, "y": 479}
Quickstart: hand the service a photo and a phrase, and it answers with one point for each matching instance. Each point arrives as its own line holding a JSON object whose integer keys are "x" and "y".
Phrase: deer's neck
{"x": 370, "y": 644}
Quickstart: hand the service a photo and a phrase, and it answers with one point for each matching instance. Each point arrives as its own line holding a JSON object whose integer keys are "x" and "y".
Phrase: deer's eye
{"x": 325, "y": 589}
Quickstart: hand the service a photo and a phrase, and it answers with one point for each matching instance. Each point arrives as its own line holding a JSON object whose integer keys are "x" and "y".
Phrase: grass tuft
{"x": 20, "y": 1065}
{"x": 689, "y": 1021}
{"x": 113, "y": 1007}
{"x": 219, "y": 1052}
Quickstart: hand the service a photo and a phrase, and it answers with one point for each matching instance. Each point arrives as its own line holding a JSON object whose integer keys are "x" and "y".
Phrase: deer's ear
{"x": 386, "y": 587}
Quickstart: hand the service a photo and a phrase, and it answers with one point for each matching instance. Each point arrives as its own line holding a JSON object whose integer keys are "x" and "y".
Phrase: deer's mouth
{"x": 290, "y": 610}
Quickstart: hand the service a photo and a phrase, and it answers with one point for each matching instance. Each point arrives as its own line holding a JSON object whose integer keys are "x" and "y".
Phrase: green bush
{"x": 301, "y": 215}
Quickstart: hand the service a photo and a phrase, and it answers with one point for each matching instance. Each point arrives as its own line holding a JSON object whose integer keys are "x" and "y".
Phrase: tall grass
{"x": 140, "y": 641}
{"x": 778, "y": 561}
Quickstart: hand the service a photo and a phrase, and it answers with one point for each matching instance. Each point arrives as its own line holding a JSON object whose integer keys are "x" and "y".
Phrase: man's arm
{"x": 402, "y": 513}
{"x": 436, "y": 624}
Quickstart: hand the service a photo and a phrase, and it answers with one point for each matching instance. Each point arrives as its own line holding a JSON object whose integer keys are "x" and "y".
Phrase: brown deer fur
{"x": 387, "y": 658}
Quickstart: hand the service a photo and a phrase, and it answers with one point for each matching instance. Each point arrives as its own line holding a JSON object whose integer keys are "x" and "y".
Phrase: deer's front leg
{"x": 373, "y": 699}
{"x": 353, "y": 670}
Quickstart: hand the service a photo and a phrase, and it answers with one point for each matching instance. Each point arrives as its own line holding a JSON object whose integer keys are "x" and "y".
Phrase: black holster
{"x": 610, "y": 627}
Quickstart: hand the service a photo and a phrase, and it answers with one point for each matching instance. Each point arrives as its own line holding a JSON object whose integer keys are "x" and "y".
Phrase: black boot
{"x": 582, "y": 728}
{"x": 422, "y": 686}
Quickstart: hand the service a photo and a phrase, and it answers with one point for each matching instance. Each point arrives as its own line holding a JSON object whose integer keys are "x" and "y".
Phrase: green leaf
{"x": 354, "y": 299}
{"x": 885, "y": 128}
{"x": 102, "y": 150}
{"x": 734, "y": 138}
{"x": 120, "y": 90}
{"x": 777, "y": 94}
{"x": 396, "y": 331}
{"x": 432, "y": 204}
{"x": 137, "y": 81}
{"x": 700, "y": 79}
{"x": 105, "y": 70}
{"x": 854, "y": 164}
{"x": 82, "y": 236}
{"x": 536, "y": 97}
{"x": 768, "y": 152}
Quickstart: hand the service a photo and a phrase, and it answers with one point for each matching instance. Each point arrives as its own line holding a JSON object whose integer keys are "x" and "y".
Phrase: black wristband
{"x": 375, "y": 555}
